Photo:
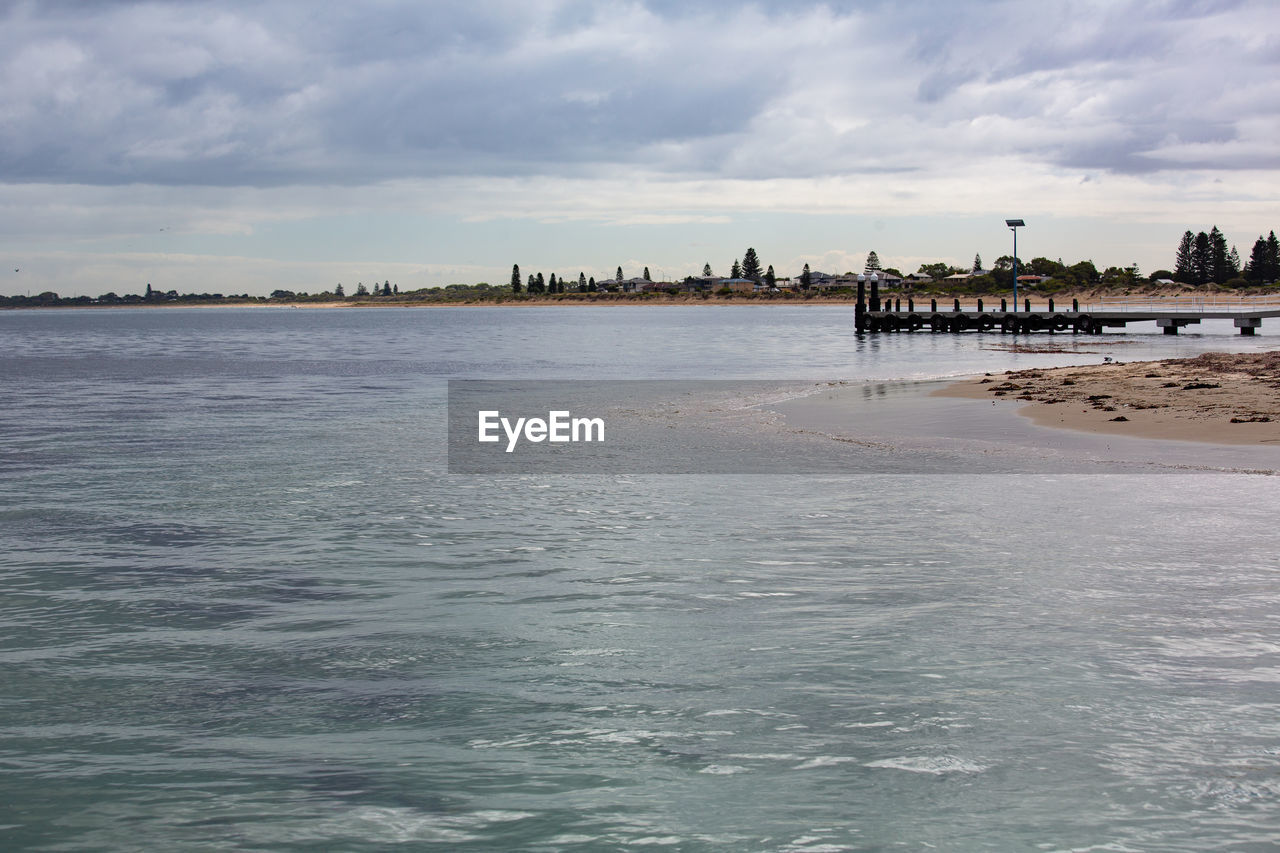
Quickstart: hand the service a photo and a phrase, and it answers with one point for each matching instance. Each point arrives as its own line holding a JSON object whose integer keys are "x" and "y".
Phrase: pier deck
{"x": 1169, "y": 314}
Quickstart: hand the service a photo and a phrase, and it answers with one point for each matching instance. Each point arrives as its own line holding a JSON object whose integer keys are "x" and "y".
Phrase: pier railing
{"x": 1163, "y": 305}
{"x": 1189, "y": 304}
{"x": 1169, "y": 313}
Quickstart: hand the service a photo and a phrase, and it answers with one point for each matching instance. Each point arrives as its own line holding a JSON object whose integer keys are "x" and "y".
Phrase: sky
{"x": 246, "y": 147}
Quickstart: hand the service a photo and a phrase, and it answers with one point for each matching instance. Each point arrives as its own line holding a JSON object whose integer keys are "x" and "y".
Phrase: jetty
{"x": 1171, "y": 314}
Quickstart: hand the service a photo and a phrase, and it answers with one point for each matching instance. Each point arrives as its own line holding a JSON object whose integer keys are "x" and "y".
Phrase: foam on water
{"x": 935, "y": 765}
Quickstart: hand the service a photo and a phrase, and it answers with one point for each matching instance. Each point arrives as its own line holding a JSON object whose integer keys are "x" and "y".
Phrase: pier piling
{"x": 888, "y": 316}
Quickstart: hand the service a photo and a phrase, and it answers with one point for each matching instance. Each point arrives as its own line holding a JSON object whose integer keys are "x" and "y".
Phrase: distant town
{"x": 1202, "y": 261}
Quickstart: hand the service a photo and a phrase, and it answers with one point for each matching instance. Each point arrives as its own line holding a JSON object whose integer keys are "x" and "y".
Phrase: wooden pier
{"x": 1169, "y": 315}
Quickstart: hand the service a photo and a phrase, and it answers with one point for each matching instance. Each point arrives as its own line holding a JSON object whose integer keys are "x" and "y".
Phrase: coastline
{"x": 618, "y": 301}
{"x": 1214, "y": 398}
{"x": 575, "y": 299}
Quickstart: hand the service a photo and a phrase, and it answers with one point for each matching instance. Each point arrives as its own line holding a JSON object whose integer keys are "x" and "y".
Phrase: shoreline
{"x": 663, "y": 302}
{"x": 663, "y": 299}
{"x": 1213, "y": 398}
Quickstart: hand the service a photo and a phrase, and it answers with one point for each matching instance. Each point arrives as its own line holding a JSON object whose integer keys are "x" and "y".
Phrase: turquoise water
{"x": 245, "y": 607}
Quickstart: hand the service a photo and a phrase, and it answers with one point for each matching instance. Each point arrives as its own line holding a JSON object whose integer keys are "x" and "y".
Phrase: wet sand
{"x": 1215, "y": 398}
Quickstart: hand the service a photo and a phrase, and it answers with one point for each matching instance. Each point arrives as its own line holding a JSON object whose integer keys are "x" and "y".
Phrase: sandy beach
{"x": 1216, "y": 397}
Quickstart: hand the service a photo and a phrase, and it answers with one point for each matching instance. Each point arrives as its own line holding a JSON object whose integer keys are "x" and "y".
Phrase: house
{"x": 886, "y": 279}
{"x": 635, "y": 285}
{"x": 962, "y": 277}
{"x": 698, "y": 283}
{"x": 816, "y": 279}
{"x": 846, "y": 281}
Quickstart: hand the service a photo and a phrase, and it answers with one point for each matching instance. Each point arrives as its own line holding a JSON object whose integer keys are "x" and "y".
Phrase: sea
{"x": 248, "y": 603}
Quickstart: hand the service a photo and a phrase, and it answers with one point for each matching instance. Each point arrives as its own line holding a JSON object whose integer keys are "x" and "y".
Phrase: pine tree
{"x": 515, "y": 278}
{"x": 751, "y": 265}
{"x": 1233, "y": 264}
{"x": 395, "y": 288}
{"x": 1183, "y": 268}
{"x": 1273, "y": 257}
{"x": 977, "y": 263}
{"x": 706, "y": 271}
{"x": 591, "y": 285}
{"x": 646, "y": 274}
{"x": 735, "y": 271}
{"x": 618, "y": 275}
{"x": 873, "y": 262}
{"x": 1201, "y": 260}
{"x": 551, "y": 284}
{"x": 770, "y": 278}
{"x": 338, "y": 291}
{"x": 1256, "y": 269}
{"x": 1219, "y": 270}
{"x": 541, "y": 284}
{"x": 806, "y": 278}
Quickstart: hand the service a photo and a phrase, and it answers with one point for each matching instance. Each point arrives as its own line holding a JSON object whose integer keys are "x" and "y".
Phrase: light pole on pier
{"x": 1014, "y": 225}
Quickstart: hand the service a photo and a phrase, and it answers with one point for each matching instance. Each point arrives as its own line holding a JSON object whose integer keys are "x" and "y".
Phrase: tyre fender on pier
{"x": 1059, "y": 323}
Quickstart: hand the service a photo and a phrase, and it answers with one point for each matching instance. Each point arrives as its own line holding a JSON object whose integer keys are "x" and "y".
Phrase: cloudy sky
{"x": 240, "y": 147}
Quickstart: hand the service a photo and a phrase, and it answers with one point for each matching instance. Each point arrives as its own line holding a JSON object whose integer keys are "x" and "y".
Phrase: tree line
{"x": 537, "y": 284}
{"x": 749, "y": 268}
{"x": 1200, "y": 259}
{"x": 1203, "y": 258}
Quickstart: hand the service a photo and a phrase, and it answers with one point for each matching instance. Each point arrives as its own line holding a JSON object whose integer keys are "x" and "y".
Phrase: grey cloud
{"x": 1106, "y": 85}
{"x": 212, "y": 94}
{"x": 295, "y": 93}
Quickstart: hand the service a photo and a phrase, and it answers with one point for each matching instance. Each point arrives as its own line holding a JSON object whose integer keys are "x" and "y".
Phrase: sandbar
{"x": 1218, "y": 398}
